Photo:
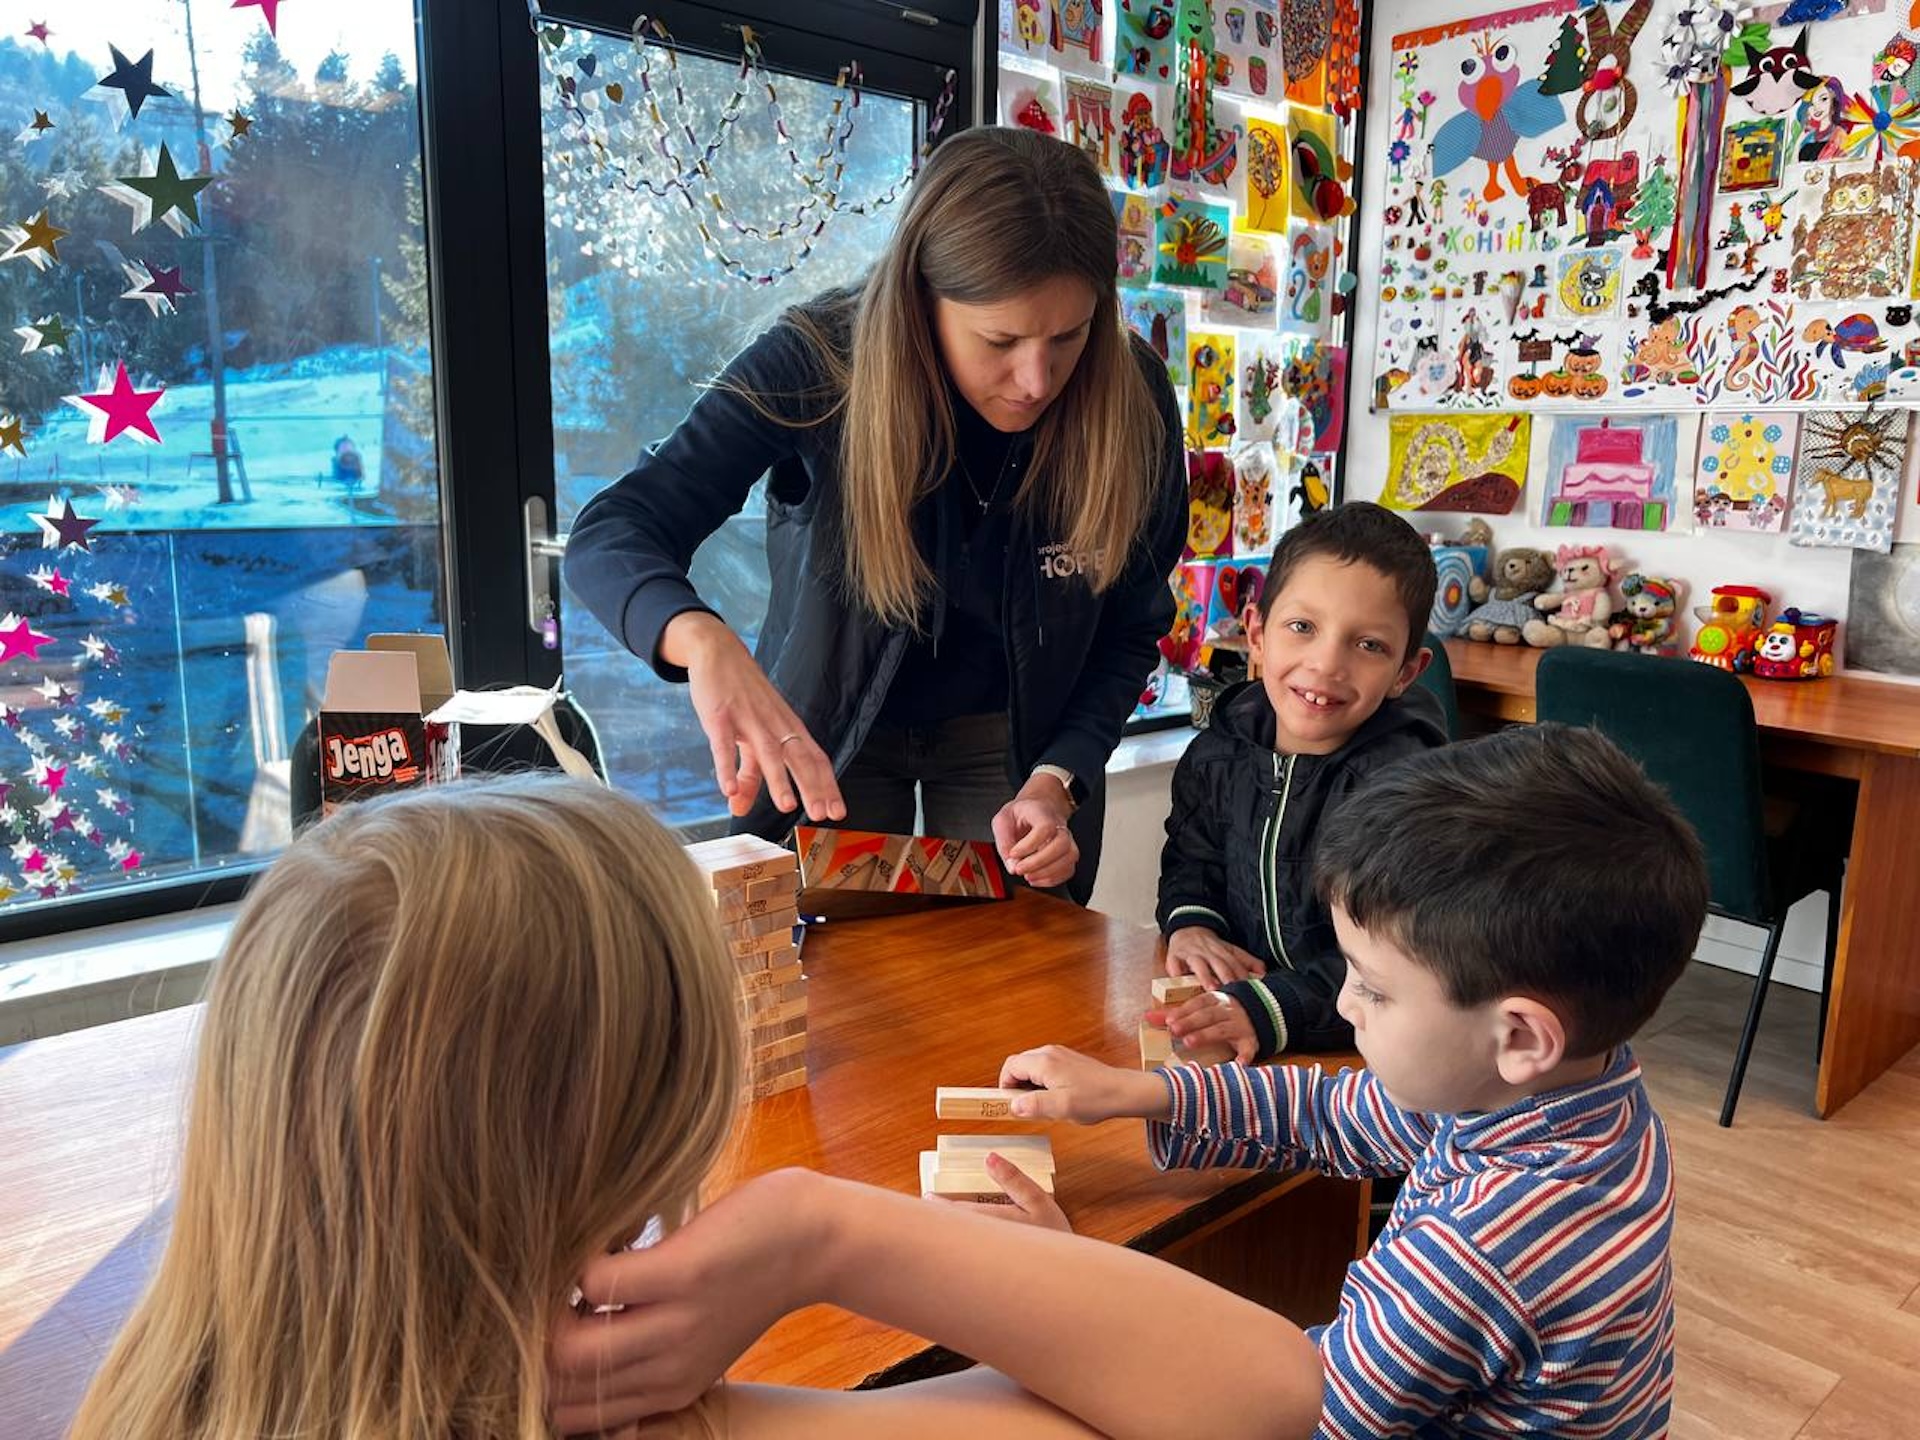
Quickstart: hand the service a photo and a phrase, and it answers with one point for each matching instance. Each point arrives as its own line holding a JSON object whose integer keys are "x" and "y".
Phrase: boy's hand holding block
{"x": 966, "y": 1102}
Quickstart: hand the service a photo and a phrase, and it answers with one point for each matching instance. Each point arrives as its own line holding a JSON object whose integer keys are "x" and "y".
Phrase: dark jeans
{"x": 950, "y": 780}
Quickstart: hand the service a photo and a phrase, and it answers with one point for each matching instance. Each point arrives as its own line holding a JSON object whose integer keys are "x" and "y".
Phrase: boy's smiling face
{"x": 1332, "y": 647}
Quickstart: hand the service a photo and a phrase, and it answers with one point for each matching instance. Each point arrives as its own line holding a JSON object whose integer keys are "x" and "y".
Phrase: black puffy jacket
{"x": 1076, "y": 660}
{"x": 1239, "y": 852}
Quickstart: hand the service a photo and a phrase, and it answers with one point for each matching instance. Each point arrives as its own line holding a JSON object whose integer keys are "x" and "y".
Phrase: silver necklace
{"x": 985, "y": 501}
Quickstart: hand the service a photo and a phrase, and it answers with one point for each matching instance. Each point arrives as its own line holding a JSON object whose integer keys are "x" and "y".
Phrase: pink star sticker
{"x": 38, "y": 31}
{"x": 34, "y": 863}
{"x": 62, "y": 821}
{"x": 20, "y": 638}
{"x": 59, "y": 584}
{"x": 56, "y": 777}
{"x": 269, "y": 8}
{"x": 132, "y": 861}
{"x": 123, "y": 407}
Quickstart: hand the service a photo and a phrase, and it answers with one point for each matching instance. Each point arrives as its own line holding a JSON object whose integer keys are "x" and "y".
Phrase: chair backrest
{"x": 1691, "y": 727}
{"x": 1438, "y": 677}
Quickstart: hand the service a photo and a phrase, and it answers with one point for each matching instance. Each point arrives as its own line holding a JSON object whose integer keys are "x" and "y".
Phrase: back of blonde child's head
{"x": 458, "y": 1042}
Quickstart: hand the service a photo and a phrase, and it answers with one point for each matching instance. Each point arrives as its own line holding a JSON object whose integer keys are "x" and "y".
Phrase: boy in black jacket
{"x": 1338, "y": 633}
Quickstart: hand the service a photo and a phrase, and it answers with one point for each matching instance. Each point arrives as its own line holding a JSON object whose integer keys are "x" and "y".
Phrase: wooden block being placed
{"x": 735, "y": 860}
{"x": 970, "y": 1102}
{"x": 1156, "y": 1046}
{"x": 1171, "y": 990}
{"x": 1032, "y": 1153}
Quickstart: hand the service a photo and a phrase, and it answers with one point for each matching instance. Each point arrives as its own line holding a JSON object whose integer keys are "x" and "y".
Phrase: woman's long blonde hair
{"x": 458, "y": 1042}
{"x": 994, "y": 213}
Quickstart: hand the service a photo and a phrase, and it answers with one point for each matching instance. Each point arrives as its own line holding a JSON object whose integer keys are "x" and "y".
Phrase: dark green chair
{"x": 1438, "y": 677}
{"x": 1691, "y": 727}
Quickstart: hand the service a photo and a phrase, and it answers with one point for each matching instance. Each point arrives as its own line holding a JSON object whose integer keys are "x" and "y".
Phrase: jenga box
{"x": 849, "y": 873}
{"x": 375, "y": 734}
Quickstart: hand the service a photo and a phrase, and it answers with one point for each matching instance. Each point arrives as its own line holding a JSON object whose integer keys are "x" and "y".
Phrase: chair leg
{"x": 1752, "y": 1028}
{"x": 1826, "y": 961}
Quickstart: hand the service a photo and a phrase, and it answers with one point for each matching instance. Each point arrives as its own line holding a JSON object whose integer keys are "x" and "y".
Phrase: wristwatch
{"x": 1076, "y": 791}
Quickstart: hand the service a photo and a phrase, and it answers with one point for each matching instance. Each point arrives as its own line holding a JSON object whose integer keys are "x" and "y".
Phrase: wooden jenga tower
{"x": 957, "y": 1169}
{"x": 754, "y": 885}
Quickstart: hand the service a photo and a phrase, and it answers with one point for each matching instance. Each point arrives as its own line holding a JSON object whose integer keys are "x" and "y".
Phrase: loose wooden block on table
{"x": 974, "y": 1102}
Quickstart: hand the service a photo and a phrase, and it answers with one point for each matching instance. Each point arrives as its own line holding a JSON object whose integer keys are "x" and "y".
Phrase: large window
{"x": 643, "y": 308}
{"x": 217, "y": 449}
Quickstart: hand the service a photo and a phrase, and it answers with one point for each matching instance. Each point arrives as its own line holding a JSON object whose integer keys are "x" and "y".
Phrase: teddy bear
{"x": 1576, "y": 613}
{"x": 1503, "y": 608}
{"x": 1646, "y": 620}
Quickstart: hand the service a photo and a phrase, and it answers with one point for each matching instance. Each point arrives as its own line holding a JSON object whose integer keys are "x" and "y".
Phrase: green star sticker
{"x": 54, "y": 333}
{"x": 168, "y": 190}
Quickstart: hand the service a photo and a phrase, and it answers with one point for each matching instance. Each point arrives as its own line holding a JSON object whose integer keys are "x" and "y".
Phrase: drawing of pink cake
{"x": 1607, "y": 467}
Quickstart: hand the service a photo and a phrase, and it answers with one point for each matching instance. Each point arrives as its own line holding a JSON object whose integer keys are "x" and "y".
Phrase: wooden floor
{"x": 1797, "y": 1251}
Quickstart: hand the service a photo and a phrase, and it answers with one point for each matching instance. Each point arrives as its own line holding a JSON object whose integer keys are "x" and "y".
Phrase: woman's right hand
{"x": 753, "y": 732}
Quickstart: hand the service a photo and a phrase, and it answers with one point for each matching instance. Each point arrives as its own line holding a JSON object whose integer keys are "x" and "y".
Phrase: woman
{"x": 975, "y": 494}
{"x": 1820, "y": 134}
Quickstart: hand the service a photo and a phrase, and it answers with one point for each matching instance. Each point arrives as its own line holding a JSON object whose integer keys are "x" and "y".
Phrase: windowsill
{"x": 67, "y": 982}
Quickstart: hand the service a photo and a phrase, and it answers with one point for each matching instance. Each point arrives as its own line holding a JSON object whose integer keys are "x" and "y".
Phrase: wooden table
{"x": 1862, "y": 730}
{"x": 89, "y": 1130}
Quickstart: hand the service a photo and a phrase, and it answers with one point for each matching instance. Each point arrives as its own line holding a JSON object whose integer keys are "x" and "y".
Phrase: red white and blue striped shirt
{"x": 1523, "y": 1283}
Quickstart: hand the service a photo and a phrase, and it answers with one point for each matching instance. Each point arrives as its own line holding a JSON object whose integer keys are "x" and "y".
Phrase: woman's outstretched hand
{"x": 753, "y": 732}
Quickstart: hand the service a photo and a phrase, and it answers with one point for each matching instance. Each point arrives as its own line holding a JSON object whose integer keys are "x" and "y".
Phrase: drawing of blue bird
{"x": 1501, "y": 111}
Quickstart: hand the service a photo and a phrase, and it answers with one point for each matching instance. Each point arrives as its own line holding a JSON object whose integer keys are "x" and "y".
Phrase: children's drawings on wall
{"x": 1539, "y": 181}
{"x": 1251, "y": 294}
{"x": 1456, "y": 463}
{"x": 1309, "y": 133}
{"x": 1089, "y": 121}
{"x": 1030, "y": 28}
{"x": 1263, "y": 410}
{"x": 1030, "y": 100}
{"x": 1617, "y": 474}
{"x": 1141, "y": 145}
{"x": 1269, "y": 166}
{"x": 1854, "y": 231}
{"x": 1190, "y": 245}
{"x": 1847, "y": 479}
{"x": 1159, "y": 317}
{"x": 1315, "y": 375}
{"x": 1307, "y": 305}
{"x": 1589, "y": 285}
{"x": 1744, "y": 470}
{"x": 1144, "y": 41}
{"x": 1246, "y": 40}
{"x": 1255, "y": 475}
{"x": 1306, "y": 33}
{"x": 1209, "y": 504}
{"x": 1210, "y": 385}
{"x": 1135, "y": 215}
{"x": 1081, "y": 31}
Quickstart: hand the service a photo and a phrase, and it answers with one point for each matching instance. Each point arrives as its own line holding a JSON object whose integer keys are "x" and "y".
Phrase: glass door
{"x": 690, "y": 194}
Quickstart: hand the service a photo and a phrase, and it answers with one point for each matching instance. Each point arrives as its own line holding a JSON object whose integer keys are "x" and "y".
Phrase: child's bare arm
{"x": 1081, "y": 1324}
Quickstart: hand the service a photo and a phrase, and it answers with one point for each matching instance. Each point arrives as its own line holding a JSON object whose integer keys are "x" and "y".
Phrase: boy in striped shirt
{"x": 1511, "y": 911}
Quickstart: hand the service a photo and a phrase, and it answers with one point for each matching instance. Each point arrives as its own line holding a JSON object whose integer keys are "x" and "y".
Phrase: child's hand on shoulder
{"x": 1214, "y": 1019}
{"x": 1199, "y": 952}
{"x": 1031, "y": 1205}
{"x": 1076, "y": 1087}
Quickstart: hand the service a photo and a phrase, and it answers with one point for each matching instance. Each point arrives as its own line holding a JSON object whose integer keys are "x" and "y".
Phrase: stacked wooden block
{"x": 957, "y": 1168}
{"x": 1157, "y": 1045}
{"x": 754, "y": 884}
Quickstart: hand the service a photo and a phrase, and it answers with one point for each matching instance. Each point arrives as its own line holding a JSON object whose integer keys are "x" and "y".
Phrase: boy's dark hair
{"x": 1538, "y": 861}
{"x": 1372, "y": 535}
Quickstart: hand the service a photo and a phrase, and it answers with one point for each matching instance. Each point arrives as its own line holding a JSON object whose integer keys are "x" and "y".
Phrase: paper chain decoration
{"x": 586, "y": 107}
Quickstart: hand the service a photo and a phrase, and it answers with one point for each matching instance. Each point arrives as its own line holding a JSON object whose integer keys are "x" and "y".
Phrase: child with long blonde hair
{"x": 462, "y": 1042}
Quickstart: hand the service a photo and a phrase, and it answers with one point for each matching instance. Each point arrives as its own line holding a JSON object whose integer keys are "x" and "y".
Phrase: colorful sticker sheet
{"x": 1558, "y": 219}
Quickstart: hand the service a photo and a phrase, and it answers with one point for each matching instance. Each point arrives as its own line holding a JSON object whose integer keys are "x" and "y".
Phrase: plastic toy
{"x": 1798, "y": 646}
{"x": 1731, "y": 627}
